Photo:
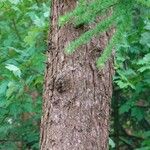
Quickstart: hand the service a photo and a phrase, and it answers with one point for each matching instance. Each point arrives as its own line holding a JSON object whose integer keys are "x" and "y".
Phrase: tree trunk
{"x": 77, "y": 95}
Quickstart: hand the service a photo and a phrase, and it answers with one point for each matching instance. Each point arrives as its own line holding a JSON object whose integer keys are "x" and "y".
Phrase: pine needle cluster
{"x": 87, "y": 12}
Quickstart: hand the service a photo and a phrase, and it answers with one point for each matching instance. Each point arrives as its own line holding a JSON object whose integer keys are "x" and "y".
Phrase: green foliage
{"x": 23, "y": 32}
{"x": 115, "y": 13}
{"x": 111, "y": 143}
{"x": 132, "y": 83}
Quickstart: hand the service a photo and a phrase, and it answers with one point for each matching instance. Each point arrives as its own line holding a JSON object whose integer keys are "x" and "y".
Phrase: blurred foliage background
{"x": 24, "y": 27}
{"x": 23, "y": 34}
{"x": 131, "y": 96}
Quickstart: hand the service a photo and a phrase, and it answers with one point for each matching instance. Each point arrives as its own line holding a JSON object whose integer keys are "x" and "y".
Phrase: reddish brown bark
{"x": 77, "y": 95}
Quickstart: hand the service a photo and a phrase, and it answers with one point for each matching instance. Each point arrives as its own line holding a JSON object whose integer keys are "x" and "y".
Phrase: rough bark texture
{"x": 76, "y": 96}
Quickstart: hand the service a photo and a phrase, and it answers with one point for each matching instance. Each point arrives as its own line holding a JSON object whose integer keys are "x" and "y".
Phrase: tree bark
{"x": 76, "y": 106}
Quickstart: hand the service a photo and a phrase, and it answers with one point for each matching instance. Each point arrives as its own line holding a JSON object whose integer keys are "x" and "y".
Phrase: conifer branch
{"x": 87, "y": 12}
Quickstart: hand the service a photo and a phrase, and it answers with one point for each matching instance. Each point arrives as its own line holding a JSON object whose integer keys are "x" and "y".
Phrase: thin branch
{"x": 16, "y": 30}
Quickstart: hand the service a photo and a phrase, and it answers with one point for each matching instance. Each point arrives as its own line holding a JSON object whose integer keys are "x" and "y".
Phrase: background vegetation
{"x": 23, "y": 34}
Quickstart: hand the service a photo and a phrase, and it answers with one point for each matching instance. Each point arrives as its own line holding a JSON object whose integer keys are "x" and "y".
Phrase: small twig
{"x": 16, "y": 30}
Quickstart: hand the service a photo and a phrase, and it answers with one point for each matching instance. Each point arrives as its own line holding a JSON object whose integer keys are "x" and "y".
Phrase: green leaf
{"x": 16, "y": 71}
{"x": 125, "y": 107}
{"x": 12, "y": 87}
{"x": 138, "y": 113}
{"x": 147, "y": 27}
{"x": 145, "y": 39}
{"x": 14, "y": 1}
{"x": 3, "y": 87}
{"x": 144, "y": 68}
{"x": 28, "y": 106}
{"x": 111, "y": 143}
{"x": 121, "y": 84}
